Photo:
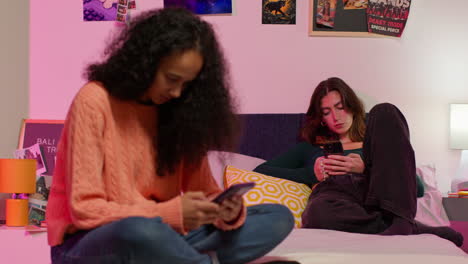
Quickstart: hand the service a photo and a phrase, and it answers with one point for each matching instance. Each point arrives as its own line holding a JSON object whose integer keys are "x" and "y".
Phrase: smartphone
{"x": 333, "y": 148}
{"x": 236, "y": 189}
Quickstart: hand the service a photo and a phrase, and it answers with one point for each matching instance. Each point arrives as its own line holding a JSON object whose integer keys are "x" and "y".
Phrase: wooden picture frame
{"x": 45, "y": 132}
{"x": 352, "y": 23}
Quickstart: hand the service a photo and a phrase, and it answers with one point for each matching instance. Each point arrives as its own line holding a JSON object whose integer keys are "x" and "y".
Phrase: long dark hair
{"x": 203, "y": 117}
{"x": 313, "y": 129}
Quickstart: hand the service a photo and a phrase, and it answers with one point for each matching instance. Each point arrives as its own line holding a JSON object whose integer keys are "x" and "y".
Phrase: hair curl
{"x": 313, "y": 130}
{"x": 203, "y": 118}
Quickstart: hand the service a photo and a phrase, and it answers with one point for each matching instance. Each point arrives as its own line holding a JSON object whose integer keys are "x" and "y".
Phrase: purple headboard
{"x": 268, "y": 135}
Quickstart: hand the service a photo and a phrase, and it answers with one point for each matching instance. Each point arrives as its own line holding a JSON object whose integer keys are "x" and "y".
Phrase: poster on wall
{"x": 354, "y": 4}
{"x": 326, "y": 10}
{"x": 107, "y": 10}
{"x": 388, "y": 17}
{"x": 123, "y": 9}
{"x": 99, "y": 10}
{"x": 202, "y": 6}
{"x": 279, "y": 12}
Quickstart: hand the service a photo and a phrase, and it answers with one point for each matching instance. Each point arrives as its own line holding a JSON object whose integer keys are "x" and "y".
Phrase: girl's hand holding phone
{"x": 197, "y": 210}
{"x": 319, "y": 169}
{"x": 230, "y": 208}
{"x": 340, "y": 165}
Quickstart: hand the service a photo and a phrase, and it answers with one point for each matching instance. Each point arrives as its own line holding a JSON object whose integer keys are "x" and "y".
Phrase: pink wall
{"x": 274, "y": 68}
{"x": 276, "y": 61}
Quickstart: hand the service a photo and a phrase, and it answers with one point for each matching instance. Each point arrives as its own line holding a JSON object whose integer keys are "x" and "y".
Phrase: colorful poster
{"x": 202, "y": 6}
{"x": 388, "y": 17}
{"x": 326, "y": 10}
{"x": 123, "y": 9}
{"x": 279, "y": 12}
{"x": 99, "y": 10}
{"x": 47, "y": 134}
{"x": 354, "y": 4}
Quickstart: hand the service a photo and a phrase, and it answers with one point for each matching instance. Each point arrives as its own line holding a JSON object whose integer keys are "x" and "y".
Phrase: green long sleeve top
{"x": 297, "y": 164}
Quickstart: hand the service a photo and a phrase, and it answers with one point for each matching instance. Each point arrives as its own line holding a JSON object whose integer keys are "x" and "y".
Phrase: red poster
{"x": 387, "y": 17}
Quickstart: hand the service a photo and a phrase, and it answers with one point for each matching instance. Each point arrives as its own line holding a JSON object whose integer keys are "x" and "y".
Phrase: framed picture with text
{"x": 47, "y": 134}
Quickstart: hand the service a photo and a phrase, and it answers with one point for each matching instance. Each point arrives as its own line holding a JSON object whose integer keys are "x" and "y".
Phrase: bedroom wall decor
{"x": 358, "y": 18}
{"x": 46, "y": 133}
{"x": 278, "y": 11}
{"x": 107, "y": 10}
{"x": 99, "y": 10}
{"x": 203, "y": 6}
{"x": 388, "y": 17}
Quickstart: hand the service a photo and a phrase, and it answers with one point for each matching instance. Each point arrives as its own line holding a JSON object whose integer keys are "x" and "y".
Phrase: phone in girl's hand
{"x": 333, "y": 148}
{"x": 236, "y": 189}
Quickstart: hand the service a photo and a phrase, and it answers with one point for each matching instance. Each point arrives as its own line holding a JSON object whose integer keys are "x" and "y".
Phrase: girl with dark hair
{"x": 132, "y": 182}
{"x": 371, "y": 188}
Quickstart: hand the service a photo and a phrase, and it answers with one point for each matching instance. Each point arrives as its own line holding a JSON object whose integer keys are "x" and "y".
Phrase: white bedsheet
{"x": 328, "y": 246}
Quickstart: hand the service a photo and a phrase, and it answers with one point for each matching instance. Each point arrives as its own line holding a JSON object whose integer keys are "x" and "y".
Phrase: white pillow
{"x": 218, "y": 161}
{"x": 430, "y": 209}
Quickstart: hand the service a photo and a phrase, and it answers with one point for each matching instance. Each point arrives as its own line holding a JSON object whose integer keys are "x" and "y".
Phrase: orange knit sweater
{"x": 105, "y": 169}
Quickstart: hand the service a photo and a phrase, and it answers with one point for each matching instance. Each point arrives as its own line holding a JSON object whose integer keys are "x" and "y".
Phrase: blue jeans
{"x": 149, "y": 240}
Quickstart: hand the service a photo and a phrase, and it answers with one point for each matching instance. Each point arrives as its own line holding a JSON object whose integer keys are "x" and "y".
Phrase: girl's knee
{"x": 318, "y": 214}
{"x": 385, "y": 108}
{"x": 284, "y": 215}
{"x": 281, "y": 220}
{"x": 141, "y": 230}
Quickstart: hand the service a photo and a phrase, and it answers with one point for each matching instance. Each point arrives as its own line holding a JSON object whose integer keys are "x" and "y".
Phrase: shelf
{"x": 29, "y": 228}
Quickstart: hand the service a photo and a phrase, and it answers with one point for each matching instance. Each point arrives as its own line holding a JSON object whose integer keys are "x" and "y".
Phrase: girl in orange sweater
{"x": 132, "y": 183}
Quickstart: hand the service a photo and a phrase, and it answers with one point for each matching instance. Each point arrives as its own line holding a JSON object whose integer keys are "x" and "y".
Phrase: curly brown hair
{"x": 203, "y": 117}
{"x": 313, "y": 130}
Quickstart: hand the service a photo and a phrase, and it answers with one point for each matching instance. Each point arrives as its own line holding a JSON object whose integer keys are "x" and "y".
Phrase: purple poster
{"x": 202, "y": 6}
{"x": 47, "y": 134}
{"x": 387, "y": 17}
{"x": 100, "y": 10}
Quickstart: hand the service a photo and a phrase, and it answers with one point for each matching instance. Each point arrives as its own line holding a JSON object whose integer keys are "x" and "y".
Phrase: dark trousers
{"x": 366, "y": 203}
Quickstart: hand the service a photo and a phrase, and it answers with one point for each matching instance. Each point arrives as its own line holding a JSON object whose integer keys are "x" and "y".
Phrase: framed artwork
{"x": 279, "y": 12}
{"x": 339, "y": 18}
{"x": 204, "y": 7}
{"x": 45, "y": 133}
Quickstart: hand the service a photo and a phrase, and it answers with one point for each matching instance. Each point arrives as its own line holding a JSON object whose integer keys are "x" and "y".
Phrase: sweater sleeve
{"x": 85, "y": 182}
{"x": 201, "y": 179}
{"x": 296, "y": 164}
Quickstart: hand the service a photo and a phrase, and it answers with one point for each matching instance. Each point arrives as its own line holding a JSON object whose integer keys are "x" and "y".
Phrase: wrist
{"x": 235, "y": 219}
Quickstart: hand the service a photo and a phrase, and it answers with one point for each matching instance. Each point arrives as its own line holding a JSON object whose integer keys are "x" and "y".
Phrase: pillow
{"x": 270, "y": 190}
{"x": 219, "y": 159}
{"x": 430, "y": 210}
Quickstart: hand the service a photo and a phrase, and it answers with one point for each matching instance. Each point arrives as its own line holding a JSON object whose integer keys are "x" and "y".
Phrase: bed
{"x": 266, "y": 135}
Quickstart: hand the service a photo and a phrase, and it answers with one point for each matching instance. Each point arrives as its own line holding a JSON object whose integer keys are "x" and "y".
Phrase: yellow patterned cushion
{"x": 270, "y": 190}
